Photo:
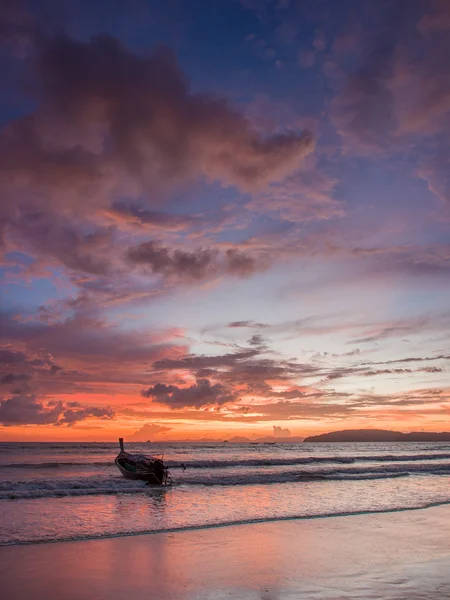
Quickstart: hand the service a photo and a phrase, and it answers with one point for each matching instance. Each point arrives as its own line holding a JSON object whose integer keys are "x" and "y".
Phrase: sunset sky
{"x": 224, "y": 217}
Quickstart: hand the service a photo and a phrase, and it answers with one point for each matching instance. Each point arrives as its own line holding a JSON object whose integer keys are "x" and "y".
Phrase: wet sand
{"x": 404, "y": 555}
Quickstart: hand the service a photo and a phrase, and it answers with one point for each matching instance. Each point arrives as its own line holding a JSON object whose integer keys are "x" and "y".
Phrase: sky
{"x": 223, "y": 218}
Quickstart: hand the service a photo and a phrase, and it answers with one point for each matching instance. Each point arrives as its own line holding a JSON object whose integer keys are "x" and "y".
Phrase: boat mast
{"x": 121, "y": 445}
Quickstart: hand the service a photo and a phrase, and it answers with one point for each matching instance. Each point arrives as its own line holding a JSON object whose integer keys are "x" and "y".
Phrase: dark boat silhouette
{"x": 141, "y": 467}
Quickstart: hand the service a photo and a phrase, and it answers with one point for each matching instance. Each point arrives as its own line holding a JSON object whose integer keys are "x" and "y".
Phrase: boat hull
{"x": 149, "y": 476}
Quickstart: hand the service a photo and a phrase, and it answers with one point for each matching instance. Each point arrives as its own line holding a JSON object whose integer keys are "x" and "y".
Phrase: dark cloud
{"x": 413, "y": 359}
{"x": 106, "y": 124}
{"x": 257, "y": 340}
{"x": 189, "y": 265}
{"x": 12, "y": 357}
{"x": 194, "y": 362}
{"x": 79, "y": 412}
{"x": 250, "y": 324}
{"x": 196, "y": 265}
{"x": 27, "y": 410}
{"x": 199, "y": 395}
{"x": 386, "y": 372}
{"x": 11, "y": 378}
{"x": 80, "y": 247}
{"x": 361, "y": 371}
{"x": 157, "y": 129}
{"x": 242, "y": 265}
{"x": 18, "y": 368}
{"x": 245, "y": 372}
{"x": 316, "y": 405}
{"x": 432, "y": 369}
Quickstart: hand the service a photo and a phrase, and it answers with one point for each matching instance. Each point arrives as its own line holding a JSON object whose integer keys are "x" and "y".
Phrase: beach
{"x": 392, "y": 555}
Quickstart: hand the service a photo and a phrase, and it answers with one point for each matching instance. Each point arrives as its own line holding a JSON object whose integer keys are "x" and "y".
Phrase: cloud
{"x": 364, "y": 111}
{"x": 149, "y": 430}
{"x": 88, "y": 337}
{"x": 70, "y": 416}
{"x": 257, "y": 340}
{"x": 243, "y": 373}
{"x": 279, "y": 432}
{"x": 401, "y": 85}
{"x": 362, "y": 371}
{"x": 316, "y": 405}
{"x": 250, "y": 324}
{"x": 196, "y": 265}
{"x": 80, "y": 247}
{"x": 18, "y": 30}
{"x": 156, "y": 218}
{"x": 108, "y": 125}
{"x": 436, "y": 20}
{"x": 12, "y": 357}
{"x": 190, "y": 265}
{"x": 413, "y": 359}
{"x": 195, "y": 362}
{"x": 27, "y": 410}
{"x": 244, "y": 370}
{"x": 397, "y": 99}
{"x": 88, "y": 351}
{"x": 435, "y": 170}
{"x": 201, "y": 394}
{"x": 432, "y": 369}
{"x": 157, "y": 129}
{"x": 19, "y": 369}
{"x": 11, "y": 378}
{"x": 305, "y": 196}
{"x": 240, "y": 264}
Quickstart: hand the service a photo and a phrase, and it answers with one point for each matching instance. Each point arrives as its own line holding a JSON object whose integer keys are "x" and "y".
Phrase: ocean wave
{"x": 231, "y": 522}
{"x": 329, "y": 474}
{"x": 56, "y": 465}
{"x": 57, "y": 488}
{"x": 307, "y": 460}
{"x": 94, "y": 485}
{"x": 246, "y": 462}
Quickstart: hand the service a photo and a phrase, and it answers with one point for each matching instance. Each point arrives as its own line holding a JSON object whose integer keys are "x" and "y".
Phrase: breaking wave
{"x": 113, "y": 485}
{"x": 250, "y": 462}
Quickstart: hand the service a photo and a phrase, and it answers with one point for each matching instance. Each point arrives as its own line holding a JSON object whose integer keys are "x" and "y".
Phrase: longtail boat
{"x": 145, "y": 468}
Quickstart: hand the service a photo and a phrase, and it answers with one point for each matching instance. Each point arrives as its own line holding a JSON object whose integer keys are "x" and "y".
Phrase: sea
{"x": 70, "y": 491}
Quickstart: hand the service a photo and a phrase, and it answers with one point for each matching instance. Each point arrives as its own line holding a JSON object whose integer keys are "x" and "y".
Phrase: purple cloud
{"x": 27, "y": 410}
{"x": 198, "y": 395}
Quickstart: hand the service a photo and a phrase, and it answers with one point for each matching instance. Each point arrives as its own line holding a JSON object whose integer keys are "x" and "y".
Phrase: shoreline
{"x": 214, "y": 526}
{"x": 387, "y": 555}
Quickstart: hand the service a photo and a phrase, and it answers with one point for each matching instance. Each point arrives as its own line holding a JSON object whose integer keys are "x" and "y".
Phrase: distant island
{"x": 379, "y": 435}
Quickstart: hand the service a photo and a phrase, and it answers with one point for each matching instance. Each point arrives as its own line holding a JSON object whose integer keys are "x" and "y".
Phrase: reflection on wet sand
{"x": 391, "y": 556}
